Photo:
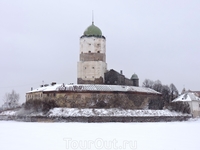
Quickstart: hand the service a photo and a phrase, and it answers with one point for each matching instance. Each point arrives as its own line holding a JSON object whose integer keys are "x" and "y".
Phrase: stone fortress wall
{"x": 97, "y": 99}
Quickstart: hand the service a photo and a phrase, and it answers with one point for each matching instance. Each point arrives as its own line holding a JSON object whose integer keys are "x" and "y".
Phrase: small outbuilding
{"x": 193, "y": 100}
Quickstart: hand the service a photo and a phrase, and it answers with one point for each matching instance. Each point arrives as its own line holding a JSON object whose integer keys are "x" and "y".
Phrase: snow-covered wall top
{"x": 187, "y": 97}
{"x": 93, "y": 87}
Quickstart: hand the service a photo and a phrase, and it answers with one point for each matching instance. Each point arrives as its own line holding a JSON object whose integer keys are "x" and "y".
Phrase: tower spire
{"x": 92, "y": 17}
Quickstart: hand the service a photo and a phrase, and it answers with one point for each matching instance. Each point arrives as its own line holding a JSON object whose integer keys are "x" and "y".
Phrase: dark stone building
{"x": 113, "y": 77}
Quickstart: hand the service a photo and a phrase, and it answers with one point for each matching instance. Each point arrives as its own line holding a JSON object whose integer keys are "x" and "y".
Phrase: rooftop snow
{"x": 93, "y": 87}
{"x": 187, "y": 97}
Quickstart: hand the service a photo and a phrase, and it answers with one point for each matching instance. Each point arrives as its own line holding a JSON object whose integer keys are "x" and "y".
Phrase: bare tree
{"x": 173, "y": 91}
{"x": 183, "y": 91}
{"x": 148, "y": 83}
{"x": 11, "y": 100}
{"x": 158, "y": 86}
{"x": 166, "y": 93}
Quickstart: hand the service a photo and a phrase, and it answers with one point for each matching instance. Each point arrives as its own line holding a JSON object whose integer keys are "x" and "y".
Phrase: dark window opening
{"x": 89, "y": 51}
{"x": 98, "y": 51}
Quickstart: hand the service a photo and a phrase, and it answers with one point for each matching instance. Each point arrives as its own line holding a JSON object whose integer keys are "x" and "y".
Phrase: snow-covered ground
{"x": 62, "y": 136}
{"x": 110, "y": 112}
{"x": 66, "y": 112}
{"x": 8, "y": 112}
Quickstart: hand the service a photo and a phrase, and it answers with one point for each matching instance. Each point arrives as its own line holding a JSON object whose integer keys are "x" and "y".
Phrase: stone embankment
{"x": 93, "y": 119}
{"x": 94, "y": 115}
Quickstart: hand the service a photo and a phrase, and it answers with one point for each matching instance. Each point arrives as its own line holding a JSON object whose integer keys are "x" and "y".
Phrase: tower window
{"x": 89, "y": 51}
{"x": 85, "y": 67}
{"x": 92, "y": 67}
{"x": 98, "y": 51}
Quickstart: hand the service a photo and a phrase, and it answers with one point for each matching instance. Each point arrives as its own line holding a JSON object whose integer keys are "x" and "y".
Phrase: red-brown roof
{"x": 197, "y": 92}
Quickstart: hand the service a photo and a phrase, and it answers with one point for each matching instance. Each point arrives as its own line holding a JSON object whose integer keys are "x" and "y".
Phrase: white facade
{"x": 193, "y": 101}
{"x": 195, "y": 108}
{"x": 92, "y": 69}
{"x": 92, "y": 45}
{"x": 89, "y": 70}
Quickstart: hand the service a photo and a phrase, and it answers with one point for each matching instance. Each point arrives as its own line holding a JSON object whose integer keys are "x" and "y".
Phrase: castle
{"x": 96, "y": 86}
{"x": 92, "y": 66}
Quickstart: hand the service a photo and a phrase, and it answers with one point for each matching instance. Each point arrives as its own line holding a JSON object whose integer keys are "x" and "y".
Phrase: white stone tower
{"x": 92, "y": 60}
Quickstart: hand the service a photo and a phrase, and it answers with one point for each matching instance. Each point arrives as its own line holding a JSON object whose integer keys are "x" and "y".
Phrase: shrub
{"x": 40, "y": 105}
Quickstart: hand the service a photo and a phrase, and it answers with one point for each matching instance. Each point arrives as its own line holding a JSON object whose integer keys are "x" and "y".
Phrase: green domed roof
{"x": 92, "y": 30}
{"x": 134, "y": 76}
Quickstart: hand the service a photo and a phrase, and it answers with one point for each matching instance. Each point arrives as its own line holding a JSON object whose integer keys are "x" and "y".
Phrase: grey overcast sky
{"x": 156, "y": 39}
